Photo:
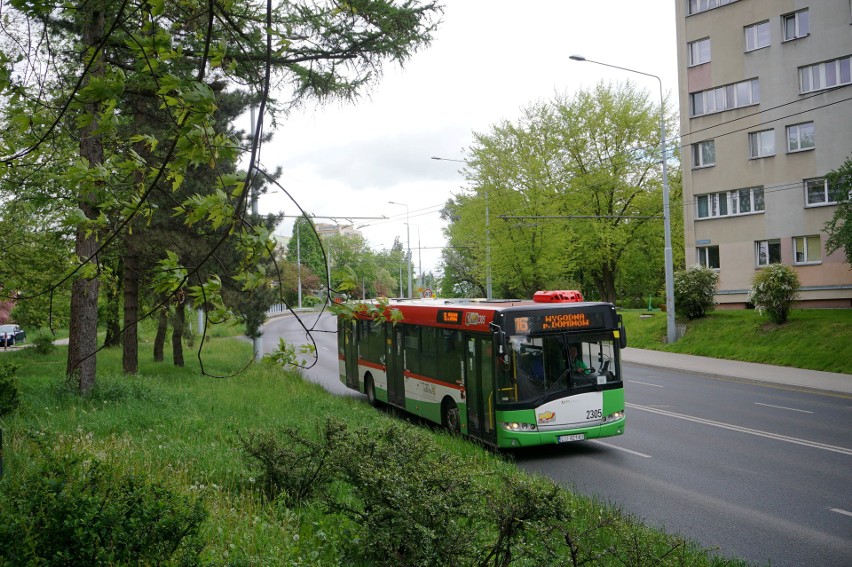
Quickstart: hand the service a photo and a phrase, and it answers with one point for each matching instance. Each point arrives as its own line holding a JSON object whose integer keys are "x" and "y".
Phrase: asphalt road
{"x": 751, "y": 470}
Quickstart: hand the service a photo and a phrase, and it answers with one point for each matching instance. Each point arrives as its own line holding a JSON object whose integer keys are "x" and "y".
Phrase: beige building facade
{"x": 765, "y": 94}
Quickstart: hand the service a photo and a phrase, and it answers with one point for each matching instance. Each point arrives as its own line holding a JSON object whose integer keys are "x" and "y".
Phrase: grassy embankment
{"x": 816, "y": 339}
{"x": 174, "y": 426}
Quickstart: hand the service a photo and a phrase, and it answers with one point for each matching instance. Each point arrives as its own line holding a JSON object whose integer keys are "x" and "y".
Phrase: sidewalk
{"x": 787, "y": 376}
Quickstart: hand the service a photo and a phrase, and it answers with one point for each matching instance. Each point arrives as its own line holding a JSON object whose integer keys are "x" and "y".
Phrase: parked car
{"x": 11, "y": 334}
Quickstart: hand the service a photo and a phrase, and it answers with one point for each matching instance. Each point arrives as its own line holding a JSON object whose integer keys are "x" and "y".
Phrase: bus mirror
{"x": 499, "y": 338}
{"x": 621, "y": 334}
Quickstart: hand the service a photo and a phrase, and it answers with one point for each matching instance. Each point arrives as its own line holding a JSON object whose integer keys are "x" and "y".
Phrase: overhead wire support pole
{"x": 671, "y": 329}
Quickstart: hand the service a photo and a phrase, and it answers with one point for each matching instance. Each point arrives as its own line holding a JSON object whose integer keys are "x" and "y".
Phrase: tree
{"x": 839, "y": 228}
{"x": 573, "y": 188}
{"x": 149, "y": 59}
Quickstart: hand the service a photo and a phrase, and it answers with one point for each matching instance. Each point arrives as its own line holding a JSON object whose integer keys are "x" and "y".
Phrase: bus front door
{"x": 395, "y": 366}
{"x": 479, "y": 388}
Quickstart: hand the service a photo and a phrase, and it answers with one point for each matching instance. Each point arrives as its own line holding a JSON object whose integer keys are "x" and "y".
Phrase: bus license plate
{"x": 569, "y": 438}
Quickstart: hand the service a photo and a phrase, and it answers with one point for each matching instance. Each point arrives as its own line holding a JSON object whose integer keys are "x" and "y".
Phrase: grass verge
{"x": 815, "y": 339}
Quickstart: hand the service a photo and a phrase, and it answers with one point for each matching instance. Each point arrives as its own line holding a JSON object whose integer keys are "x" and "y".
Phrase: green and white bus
{"x": 511, "y": 373}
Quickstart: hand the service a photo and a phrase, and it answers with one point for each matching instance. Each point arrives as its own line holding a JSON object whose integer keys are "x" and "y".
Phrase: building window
{"x": 704, "y": 154}
{"x": 818, "y": 192}
{"x": 800, "y": 137}
{"x": 795, "y": 25}
{"x": 807, "y": 250}
{"x": 761, "y": 144}
{"x": 825, "y": 75}
{"x": 730, "y": 203}
{"x": 696, "y": 6}
{"x": 735, "y": 95}
{"x": 767, "y": 252}
{"x": 757, "y": 36}
{"x": 708, "y": 257}
{"x": 699, "y": 52}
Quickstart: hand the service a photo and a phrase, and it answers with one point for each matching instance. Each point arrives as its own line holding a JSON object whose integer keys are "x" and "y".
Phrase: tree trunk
{"x": 177, "y": 330}
{"x": 130, "y": 352}
{"x": 83, "y": 328}
{"x": 162, "y": 328}
{"x": 113, "y": 308}
{"x": 130, "y": 355}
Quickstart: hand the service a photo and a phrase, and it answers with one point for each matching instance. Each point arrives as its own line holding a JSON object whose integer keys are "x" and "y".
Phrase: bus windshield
{"x": 541, "y": 368}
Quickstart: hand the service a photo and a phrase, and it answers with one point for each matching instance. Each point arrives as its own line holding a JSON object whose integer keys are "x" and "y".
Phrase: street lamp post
{"x": 488, "y": 290}
{"x": 671, "y": 332}
{"x": 408, "y": 238}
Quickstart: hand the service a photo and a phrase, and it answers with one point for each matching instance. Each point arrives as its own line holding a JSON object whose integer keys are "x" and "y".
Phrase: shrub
{"x": 693, "y": 290}
{"x": 43, "y": 342}
{"x": 773, "y": 291}
{"x": 73, "y": 510}
{"x": 10, "y": 397}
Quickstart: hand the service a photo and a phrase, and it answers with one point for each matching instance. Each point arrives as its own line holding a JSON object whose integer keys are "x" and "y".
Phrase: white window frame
{"x": 762, "y": 252}
{"x": 699, "y": 52}
{"x": 814, "y": 182}
{"x": 729, "y": 203}
{"x": 698, "y": 155}
{"x": 794, "y": 137}
{"x": 702, "y": 253}
{"x": 757, "y": 143}
{"x": 698, "y": 6}
{"x": 753, "y": 34}
{"x": 801, "y": 25}
{"x": 807, "y": 243}
{"x": 726, "y": 97}
{"x": 825, "y": 75}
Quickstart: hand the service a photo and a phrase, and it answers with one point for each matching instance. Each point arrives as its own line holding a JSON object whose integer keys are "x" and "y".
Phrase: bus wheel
{"x": 452, "y": 417}
{"x": 370, "y": 390}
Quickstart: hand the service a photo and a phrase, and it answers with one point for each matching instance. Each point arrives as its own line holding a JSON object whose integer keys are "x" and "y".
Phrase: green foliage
{"x": 694, "y": 290}
{"x": 10, "y": 396}
{"x": 287, "y": 354}
{"x": 570, "y": 166}
{"x": 839, "y": 228}
{"x": 773, "y": 291}
{"x": 76, "y": 510}
{"x": 42, "y": 342}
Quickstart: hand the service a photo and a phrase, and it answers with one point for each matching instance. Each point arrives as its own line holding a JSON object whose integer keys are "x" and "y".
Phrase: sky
{"x": 489, "y": 59}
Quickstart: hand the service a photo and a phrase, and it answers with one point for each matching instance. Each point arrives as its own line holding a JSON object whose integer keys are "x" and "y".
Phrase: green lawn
{"x": 816, "y": 339}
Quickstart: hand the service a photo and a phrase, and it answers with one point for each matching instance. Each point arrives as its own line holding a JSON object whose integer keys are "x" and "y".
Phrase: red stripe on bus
{"x": 433, "y": 381}
{"x": 369, "y": 364}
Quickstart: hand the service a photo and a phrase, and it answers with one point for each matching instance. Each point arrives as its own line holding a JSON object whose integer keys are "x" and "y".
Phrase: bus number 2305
{"x": 594, "y": 414}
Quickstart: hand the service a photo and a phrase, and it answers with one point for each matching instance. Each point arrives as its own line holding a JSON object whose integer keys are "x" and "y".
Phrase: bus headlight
{"x": 517, "y": 426}
{"x": 614, "y": 417}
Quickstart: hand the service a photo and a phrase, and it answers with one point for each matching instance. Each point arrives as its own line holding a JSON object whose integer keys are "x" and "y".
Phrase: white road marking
{"x": 782, "y": 407}
{"x": 645, "y": 383}
{"x": 839, "y": 511}
{"x": 776, "y": 436}
{"x": 621, "y": 449}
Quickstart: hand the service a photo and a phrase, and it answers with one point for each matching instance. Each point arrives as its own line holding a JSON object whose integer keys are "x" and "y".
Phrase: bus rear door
{"x": 395, "y": 366}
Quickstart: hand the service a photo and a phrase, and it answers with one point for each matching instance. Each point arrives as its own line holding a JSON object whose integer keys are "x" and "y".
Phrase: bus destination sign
{"x": 558, "y": 322}
{"x": 449, "y": 317}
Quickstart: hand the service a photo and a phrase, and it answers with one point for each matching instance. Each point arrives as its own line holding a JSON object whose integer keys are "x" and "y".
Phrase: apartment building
{"x": 765, "y": 93}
